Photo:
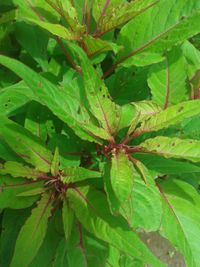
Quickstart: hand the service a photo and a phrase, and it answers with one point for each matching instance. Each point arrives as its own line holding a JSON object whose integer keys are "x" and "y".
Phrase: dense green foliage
{"x": 99, "y": 131}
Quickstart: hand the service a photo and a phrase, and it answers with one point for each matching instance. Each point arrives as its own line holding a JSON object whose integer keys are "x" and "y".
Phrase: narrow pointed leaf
{"x": 76, "y": 174}
{"x": 16, "y": 169}
{"x": 171, "y": 116}
{"x": 25, "y": 144}
{"x": 32, "y": 233}
{"x": 99, "y": 100}
{"x": 173, "y": 147}
{"x": 68, "y": 218}
{"x": 55, "y": 29}
{"x": 88, "y": 204}
{"x": 55, "y": 163}
{"x": 64, "y": 105}
{"x": 11, "y": 187}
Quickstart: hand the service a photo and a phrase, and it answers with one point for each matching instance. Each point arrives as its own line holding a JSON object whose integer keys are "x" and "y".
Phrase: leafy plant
{"x": 99, "y": 131}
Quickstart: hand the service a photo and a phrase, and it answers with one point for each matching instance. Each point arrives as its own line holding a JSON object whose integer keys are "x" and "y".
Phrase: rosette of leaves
{"x": 87, "y": 163}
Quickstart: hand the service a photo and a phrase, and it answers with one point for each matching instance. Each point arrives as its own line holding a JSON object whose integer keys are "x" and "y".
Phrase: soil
{"x": 163, "y": 250}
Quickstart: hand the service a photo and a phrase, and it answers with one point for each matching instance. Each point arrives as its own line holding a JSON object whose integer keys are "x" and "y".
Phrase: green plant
{"x": 99, "y": 131}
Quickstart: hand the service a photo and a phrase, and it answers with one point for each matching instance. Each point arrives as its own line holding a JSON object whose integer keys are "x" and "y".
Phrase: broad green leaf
{"x": 99, "y": 100}
{"x": 166, "y": 166}
{"x": 69, "y": 148}
{"x": 91, "y": 209}
{"x": 127, "y": 113}
{"x": 16, "y": 169}
{"x": 70, "y": 253}
{"x": 76, "y": 174}
{"x": 128, "y": 85}
{"x": 120, "y": 14}
{"x": 170, "y": 116}
{"x": 25, "y": 144}
{"x": 181, "y": 220}
{"x": 122, "y": 176}
{"x": 61, "y": 255}
{"x": 64, "y": 105}
{"x": 30, "y": 39}
{"x": 68, "y": 218}
{"x": 14, "y": 97}
{"x": 8, "y": 16}
{"x": 167, "y": 80}
{"x": 143, "y": 208}
{"x": 55, "y": 29}
{"x": 149, "y": 35}
{"x": 95, "y": 46}
{"x": 173, "y": 147}
{"x": 192, "y": 56}
{"x": 6, "y": 153}
{"x": 10, "y": 188}
{"x": 36, "y": 118}
{"x": 11, "y": 224}
{"x": 32, "y": 233}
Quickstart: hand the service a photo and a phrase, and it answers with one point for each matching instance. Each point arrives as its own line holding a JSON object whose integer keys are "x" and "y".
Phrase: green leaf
{"x": 120, "y": 13}
{"x": 32, "y": 192}
{"x": 173, "y": 147}
{"x": 99, "y": 100}
{"x": 32, "y": 233}
{"x": 46, "y": 254}
{"x": 25, "y": 144}
{"x": 181, "y": 205}
{"x": 70, "y": 15}
{"x": 64, "y": 105}
{"x": 16, "y": 169}
{"x": 10, "y": 189}
{"x": 30, "y": 39}
{"x": 14, "y": 97}
{"x": 170, "y": 116}
{"x": 99, "y": 6}
{"x": 143, "y": 110}
{"x": 96, "y": 46}
{"x": 143, "y": 208}
{"x": 192, "y": 56}
{"x": 76, "y": 174}
{"x": 122, "y": 176}
{"x": 8, "y": 16}
{"x": 55, "y": 163}
{"x": 55, "y": 29}
{"x": 145, "y": 40}
{"x": 35, "y": 9}
{"x": 36, "y": 117}
{"x": 166, "y": 166}
{"x": 91, "y": 209}
{"x": 167, "y": 80}
{"x": 68, "y": 218}
{"x": 11, "y": 224}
